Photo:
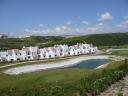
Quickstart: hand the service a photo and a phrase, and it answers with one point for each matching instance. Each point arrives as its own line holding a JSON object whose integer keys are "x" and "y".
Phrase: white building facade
{"x": 34, "y": 53}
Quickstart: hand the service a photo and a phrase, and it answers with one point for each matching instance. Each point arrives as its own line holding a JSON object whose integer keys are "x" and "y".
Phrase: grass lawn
{"x": 120, "y": 52}
{"x": 42, "y": 77}
{"x": 114, "y": 47}
{"x": 29, "y": 80}
{"x": 59, "y": 76}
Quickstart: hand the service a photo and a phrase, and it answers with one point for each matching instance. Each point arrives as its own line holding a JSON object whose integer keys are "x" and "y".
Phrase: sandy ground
{"x": 52, "y": 65}
{"x": 102, "y": 66}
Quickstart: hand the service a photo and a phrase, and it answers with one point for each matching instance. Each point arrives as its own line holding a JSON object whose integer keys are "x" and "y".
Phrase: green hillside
{"x": 45, "y": 41}
{"x": 97, "y": 39}
{"x": 10, "y": 43}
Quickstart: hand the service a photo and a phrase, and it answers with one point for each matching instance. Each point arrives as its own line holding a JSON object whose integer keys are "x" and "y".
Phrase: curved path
{"x": 20, "y": 63}
{"x": 44, "y": 60}
{"x": 51, "y": 65}
{"x": 118, "y": 49}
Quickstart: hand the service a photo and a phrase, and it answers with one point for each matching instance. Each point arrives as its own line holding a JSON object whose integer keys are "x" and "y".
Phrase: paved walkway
{"x": 118, "y": 49}
{"x": 8, "y": 65}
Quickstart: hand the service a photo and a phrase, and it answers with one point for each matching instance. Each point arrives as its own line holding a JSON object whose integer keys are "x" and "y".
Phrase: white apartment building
{"x": 33, "y": 53}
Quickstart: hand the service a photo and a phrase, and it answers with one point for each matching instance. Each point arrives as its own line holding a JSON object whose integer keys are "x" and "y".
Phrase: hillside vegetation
{"x": 112, "y": 39}
{"x": 11, "y": 43}
{"x": 97, "y": 39}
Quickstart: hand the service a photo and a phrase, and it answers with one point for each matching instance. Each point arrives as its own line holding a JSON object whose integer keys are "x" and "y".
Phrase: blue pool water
{"x": 90, "y": 64}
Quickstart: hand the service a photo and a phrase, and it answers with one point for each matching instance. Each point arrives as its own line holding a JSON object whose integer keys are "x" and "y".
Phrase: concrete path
{"x": 31, "y": 62}
{"x": 118, "y": 49}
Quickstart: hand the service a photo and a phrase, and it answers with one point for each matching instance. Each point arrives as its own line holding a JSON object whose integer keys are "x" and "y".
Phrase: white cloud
{"x": 47, "y": 30}
{"x": 68, "y": 23}
{"x": 92, "y": 29}
{"x": 58, "y": 29}
{"x": 41, "y": 25}
{"x": 71, "y": 29}
{"x": 100, "y": 24}
{"x": 27, "y": 30}
{"x": 61, "y": 28}
{"x": 124, "y": 23}
{"x": 84, "y": 22}
{"x": 105, "y": 17}
{"x": 126, "y": 17}
{"x": 64, "y": 27}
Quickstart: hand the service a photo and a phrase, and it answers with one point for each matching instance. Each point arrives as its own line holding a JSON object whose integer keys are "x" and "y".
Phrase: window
{"x": 3, "y": 60}
{"x": 39, "y": 56}
{"x": 28, "y": 53}
{"x": 18, "y": 59}
{"x": 50, "y": 56}
{"x": 29, "y": 57}
{"x": 12, "y": 60}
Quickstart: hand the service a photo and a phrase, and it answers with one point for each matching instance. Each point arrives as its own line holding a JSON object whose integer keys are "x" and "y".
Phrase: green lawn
{"x": 43, "y": 77}
{"x": 120, "y": 52}
{"x": 26, "y": 82}
{"x": 114, "y": 46}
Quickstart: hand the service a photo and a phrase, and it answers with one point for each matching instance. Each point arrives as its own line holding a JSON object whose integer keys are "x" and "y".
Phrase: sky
{"x": 62, "y": 17}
